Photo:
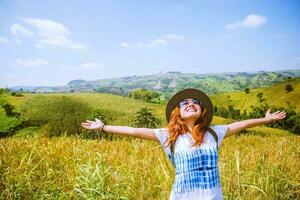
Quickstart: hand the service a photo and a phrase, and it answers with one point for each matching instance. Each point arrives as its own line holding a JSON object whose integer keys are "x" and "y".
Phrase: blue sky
{"x": 53, "y": 42}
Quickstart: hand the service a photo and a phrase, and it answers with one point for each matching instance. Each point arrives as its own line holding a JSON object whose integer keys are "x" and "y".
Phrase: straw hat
{"x": 190, "y": 93}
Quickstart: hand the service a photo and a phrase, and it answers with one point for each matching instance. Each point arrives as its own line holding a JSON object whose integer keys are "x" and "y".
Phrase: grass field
{"x": 251, "y": 167}
{"x": 261, "y": 163}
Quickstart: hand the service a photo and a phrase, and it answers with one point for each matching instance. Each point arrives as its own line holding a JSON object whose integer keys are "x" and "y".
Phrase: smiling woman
{"x": 190, "y": 143}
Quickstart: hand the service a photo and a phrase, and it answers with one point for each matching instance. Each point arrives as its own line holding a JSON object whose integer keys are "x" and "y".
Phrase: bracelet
{"x": 102, "y": 128}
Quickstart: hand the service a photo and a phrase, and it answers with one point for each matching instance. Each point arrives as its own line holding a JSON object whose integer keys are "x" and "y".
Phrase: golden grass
{"x": 251, "y": 167}
{"x": 262, "y": 164}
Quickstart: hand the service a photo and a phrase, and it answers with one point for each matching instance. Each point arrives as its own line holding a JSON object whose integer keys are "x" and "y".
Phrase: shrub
{"x": 144, "y": 118}
{"x": 289, "y": 88}
{"x": 16, "y": 94}
{"x": 9, "y": 119}
{"x": 9, "y": 125}
{"x": 9, "y": 109}
{"x": 146, "y": 95}
{"x": 247, "y": 90}
{"x": 260, "y": 97}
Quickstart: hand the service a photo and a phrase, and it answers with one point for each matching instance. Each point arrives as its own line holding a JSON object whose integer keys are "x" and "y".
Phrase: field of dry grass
{"x": 251, "y": 167}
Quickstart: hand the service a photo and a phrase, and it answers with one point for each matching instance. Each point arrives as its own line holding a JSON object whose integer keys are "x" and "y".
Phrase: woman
{"x": 189, "y": 142}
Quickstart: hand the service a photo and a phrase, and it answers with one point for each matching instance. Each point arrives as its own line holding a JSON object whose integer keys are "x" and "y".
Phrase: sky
{"x": 51, "y": 42}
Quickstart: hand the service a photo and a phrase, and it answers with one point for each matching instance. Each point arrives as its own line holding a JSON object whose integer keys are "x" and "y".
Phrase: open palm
{"x": 92, "y": 125}
{"x": 276, "y": 116}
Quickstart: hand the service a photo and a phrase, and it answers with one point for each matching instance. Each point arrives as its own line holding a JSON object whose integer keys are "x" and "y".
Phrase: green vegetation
{"x": 260, "y": 163}
{"x": 145, "y": 95}
{"x": 254, "y": 103}
{"x": 289, "y": 88}
{"x": 275, "y": 95}
{"x": 10, "y": 120}
{"x": 291, "y": 123}
{"x": 8, "y": 125}
{"x": 145, "y": 119}
{"x": 59, "y": 115}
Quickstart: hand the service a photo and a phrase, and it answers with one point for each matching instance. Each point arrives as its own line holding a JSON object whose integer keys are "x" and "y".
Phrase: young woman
{"x": 190, "y": 143}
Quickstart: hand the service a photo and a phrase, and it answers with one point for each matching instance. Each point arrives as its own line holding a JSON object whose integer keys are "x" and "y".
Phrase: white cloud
{"x": 18, "y": 30}
{"x": 39, "y": 62}
{"x": 53, "y": 34}
{"x": 77, "y": 45}
{"x": 40, "y": 46}
{"x": 3, "y": 40}
{"x": 158, "y": 42}
{"x": 251, "y": 21}
{"x": 47, "y": 27}
{"x": 125, "y": 45}
{"x": 154, "y": 43}
{"x": 173, "y": 36}
{"x": 90, "y": 66}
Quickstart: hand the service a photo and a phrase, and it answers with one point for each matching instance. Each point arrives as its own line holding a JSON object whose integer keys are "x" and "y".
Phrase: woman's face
{"x": 190, "y": 109}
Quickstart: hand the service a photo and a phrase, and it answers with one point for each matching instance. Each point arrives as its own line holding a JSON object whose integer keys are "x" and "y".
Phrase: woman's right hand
{"x": 93, "y": 125}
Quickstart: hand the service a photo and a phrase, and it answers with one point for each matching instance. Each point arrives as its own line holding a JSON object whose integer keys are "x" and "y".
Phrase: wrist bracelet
{"x": 102, "y": 128}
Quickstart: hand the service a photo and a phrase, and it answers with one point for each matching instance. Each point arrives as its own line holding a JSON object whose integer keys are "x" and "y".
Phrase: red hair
{"x": 177, "y": 127}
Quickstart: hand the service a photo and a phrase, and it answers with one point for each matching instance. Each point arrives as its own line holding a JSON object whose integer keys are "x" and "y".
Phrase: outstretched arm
{"x": 239, "y": 126}
{"x": 143, "y": 133}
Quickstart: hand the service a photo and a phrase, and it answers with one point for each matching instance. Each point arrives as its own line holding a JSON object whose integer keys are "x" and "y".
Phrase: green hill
{"x": 123, "y": 109}
{"x": 274, "y": 95}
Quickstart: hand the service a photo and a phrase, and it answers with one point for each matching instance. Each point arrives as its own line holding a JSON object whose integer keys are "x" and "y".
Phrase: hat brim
{"x": 190, "y": 93}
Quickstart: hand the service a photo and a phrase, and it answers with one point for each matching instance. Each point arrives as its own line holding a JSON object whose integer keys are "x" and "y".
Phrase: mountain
{"x": 170, "y": 82}
{"x": 25, "y": 88}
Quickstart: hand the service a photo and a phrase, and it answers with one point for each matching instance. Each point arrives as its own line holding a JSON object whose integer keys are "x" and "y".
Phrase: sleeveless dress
{"x": 197, "y": 171}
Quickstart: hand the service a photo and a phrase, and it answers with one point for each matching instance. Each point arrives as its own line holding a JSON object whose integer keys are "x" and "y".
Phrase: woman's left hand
{"x": 276, "y": 116}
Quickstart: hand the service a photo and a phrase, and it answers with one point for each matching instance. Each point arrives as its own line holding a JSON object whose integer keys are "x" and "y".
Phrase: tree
{"x": 289, "y": 88}
{"x": 260, "y": 97}
{"x": 247, "y": 90}
{"x": 4, "y": 91}
{"x": 145, "y": 118}
{"x": 9, "y": 109}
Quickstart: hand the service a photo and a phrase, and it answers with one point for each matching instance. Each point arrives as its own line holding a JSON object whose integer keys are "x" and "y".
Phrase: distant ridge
{"x": 169, "y": 82}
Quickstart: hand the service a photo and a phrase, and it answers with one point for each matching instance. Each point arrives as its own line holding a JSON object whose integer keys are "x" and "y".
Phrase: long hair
{"x": 177, "y": 126}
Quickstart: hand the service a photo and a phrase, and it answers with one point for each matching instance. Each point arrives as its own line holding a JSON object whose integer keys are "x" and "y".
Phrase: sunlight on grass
{"x": 59, "y": 168}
